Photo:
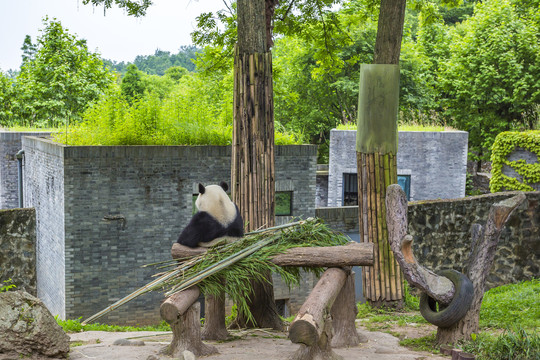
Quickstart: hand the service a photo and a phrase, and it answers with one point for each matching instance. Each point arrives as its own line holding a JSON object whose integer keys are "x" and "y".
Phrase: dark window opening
{"x": 283, "y": 204}
{"x": 283, "y": 308}
{"x": 350, "y": 189}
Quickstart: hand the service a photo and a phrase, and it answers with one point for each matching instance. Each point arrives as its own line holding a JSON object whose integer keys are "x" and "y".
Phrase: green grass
{"x": 426, "y": 343}
{"x": 515, "y": 343}
{"x": 76, "y": 326}
{"x": 508, "y": 305}
{"x": 19, "y": 128}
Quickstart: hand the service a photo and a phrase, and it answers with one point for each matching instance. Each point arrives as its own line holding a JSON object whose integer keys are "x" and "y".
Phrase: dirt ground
{"x": 249, "y": 345}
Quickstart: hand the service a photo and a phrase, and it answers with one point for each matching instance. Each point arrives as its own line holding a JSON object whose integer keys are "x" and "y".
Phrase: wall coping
{"x": 144, "y": 151}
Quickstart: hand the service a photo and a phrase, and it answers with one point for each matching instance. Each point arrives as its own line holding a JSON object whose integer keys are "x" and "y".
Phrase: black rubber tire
{"x": 457, "y": 308}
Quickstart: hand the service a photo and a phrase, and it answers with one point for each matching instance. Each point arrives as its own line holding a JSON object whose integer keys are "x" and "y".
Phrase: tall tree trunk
{"x": 376, "y": 154}
{"x": 252, "y": 176}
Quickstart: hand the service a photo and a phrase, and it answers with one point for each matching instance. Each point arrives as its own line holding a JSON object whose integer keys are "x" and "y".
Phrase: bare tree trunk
{"x": 389, "y": 32}
{"x": 484, "y": 239}
{"x": 252, "y": 175}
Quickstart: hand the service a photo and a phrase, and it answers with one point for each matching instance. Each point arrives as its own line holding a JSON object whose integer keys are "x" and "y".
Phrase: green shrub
{"x": 8, "y": 285}
{"x": 195, "y": 111}
{"x": 505, "y": 143}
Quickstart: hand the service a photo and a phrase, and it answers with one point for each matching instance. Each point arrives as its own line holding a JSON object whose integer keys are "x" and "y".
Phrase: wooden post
{"x": 312, "y": 327}
{"x": 344, "y": 315}
{"x": 187, "y": 331}
{"x": 214, "y": 321}
{"x": 376, "y": 146}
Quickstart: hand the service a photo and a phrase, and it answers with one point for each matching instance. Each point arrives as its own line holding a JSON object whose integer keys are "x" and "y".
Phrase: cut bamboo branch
{"x": 177, "y": 304}
{"x": 309, "y": 323}
{"x": 353, "y": 254}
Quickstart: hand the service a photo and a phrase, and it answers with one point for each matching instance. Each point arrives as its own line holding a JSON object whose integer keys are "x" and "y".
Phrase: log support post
{"x": 344, "y": 315}
{"x": 182, "y": 312}
{"x": 312, "y": 327}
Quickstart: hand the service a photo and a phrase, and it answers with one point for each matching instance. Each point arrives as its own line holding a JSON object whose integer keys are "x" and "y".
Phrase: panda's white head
{"x": 214, "y": 200}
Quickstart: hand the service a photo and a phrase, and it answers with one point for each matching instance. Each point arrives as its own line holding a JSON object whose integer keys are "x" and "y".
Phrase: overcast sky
{"x": 167, "y": 26}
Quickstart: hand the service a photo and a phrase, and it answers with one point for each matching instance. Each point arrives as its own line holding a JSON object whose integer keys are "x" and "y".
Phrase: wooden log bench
{"x": 331, "y": 301}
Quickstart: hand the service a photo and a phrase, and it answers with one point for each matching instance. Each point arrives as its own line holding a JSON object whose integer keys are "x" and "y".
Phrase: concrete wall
{"x": 436, "y": 162}
{"x": 10, "y": 144}
{"x": 103, "y": 212}
{"x": 442, "y": 240}
{"x": 18, "y": 248}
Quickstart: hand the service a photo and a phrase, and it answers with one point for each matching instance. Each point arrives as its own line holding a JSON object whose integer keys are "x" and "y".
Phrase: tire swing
{"x": 450, "y": 314}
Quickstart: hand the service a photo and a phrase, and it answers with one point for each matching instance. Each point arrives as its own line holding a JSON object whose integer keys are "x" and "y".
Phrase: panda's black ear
{"x": 201, "y": 188}
{"x": 224, "y": 185}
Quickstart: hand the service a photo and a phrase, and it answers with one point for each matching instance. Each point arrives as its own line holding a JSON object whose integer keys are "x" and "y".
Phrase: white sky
{"x": 116, "y": 36}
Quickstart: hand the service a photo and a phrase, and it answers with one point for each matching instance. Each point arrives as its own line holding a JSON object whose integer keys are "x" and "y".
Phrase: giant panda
{"x": 218, "y": 216}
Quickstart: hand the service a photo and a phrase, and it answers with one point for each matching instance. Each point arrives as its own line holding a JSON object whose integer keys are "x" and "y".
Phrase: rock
{"x": 28, "y": 328}
{"x": 126, "y": 342}
{"x": 188, "y": 355}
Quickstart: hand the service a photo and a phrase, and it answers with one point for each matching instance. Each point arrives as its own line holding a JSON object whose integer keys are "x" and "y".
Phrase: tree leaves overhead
{"x": 133, "y": 7}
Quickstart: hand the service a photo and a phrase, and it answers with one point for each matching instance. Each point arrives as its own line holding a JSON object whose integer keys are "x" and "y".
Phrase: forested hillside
{"x": 158, "y": 63}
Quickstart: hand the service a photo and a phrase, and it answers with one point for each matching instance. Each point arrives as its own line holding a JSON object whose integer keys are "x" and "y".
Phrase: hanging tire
{"x": 461, "y": 302}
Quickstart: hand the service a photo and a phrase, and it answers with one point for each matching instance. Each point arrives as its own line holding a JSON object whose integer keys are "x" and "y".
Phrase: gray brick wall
{"x": 123, "y": 207}
{"x": 10, "y": 144}
{"x": 43, "y": 190}
{"x": 436, "y": 162}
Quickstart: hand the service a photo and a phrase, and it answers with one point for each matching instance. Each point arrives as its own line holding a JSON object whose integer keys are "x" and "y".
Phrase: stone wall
{"x": 10, "y": 144}
{"x": 435, "y": 161}
{"x": 441, "y": 232}
{"x": 18, "y": 248}
{"x": 442, "y": 240}
{"x": 112, "y": 209}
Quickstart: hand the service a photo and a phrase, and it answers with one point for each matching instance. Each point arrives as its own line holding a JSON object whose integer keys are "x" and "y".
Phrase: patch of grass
{"x": 515, "y": 343}
{"x": 426, "y": 343}
{"x": 19, "y": 128}
{"x": 505, "y": 306}
{"x": 76, "y": 326}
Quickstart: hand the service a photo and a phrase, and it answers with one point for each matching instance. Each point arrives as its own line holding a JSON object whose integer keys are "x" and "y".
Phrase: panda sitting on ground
{"x": 217, "y": 217}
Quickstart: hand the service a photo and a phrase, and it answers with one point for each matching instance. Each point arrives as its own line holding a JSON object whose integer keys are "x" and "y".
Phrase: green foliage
{"x": 159, "y": 62}
{"x": 512, "y": 304}
{"x": 132, "y": 86}
{"x": 72, "y": 326}
{"x": 7, "y": 285}
{"x": 196, "y": 110}
{"x": 59, "y": 78}
{"x": 490, "y": 79}
{"x": 505, "y": 143}
{"x": 514, "y": 344}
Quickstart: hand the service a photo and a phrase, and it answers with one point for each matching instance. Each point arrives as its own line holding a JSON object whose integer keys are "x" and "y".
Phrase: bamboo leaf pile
{"x": 239, "y": 262}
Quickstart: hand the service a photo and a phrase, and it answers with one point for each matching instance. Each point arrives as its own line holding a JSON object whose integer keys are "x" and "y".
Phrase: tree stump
{"x": 186, "y": 327}
{"x": 439, "y": 288}
{"x": 344, "y": 315}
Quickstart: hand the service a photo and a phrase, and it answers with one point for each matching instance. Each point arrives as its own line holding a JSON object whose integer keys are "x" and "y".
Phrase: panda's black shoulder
{"x": 202, "y": 227}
